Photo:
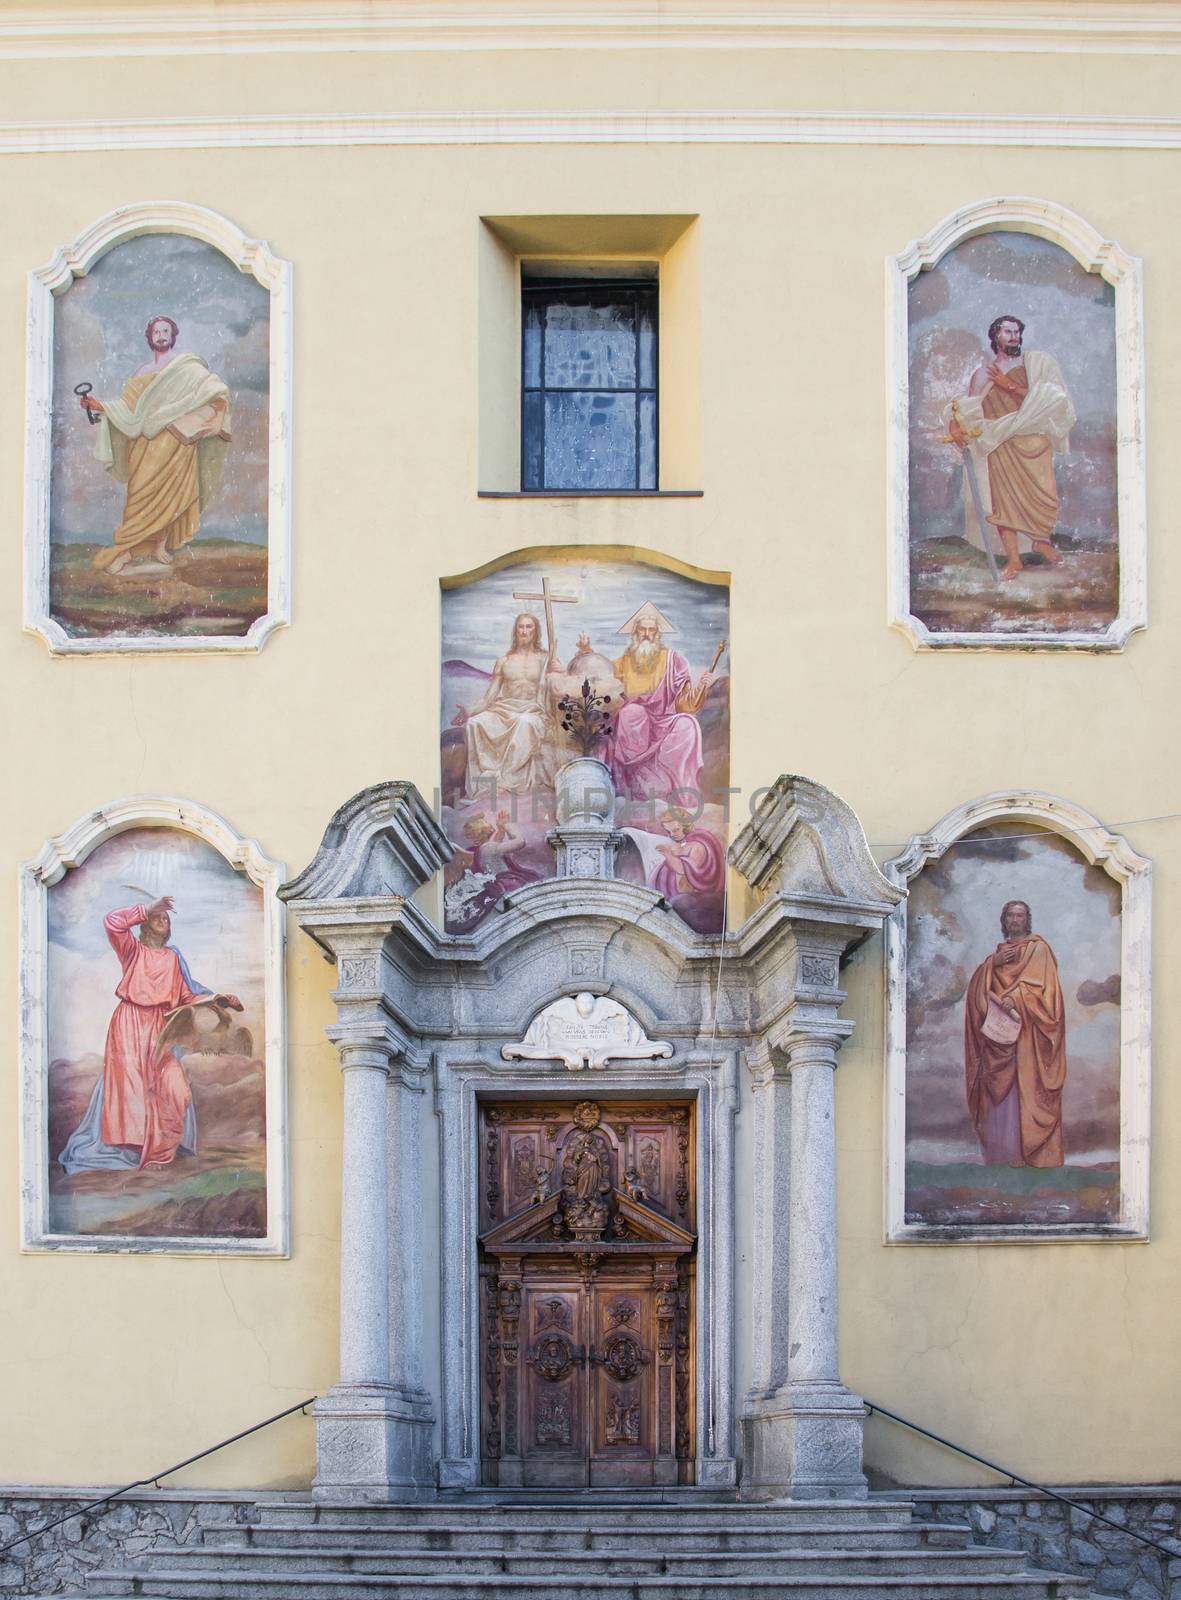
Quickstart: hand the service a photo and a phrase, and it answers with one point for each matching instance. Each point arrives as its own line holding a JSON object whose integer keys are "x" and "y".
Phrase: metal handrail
{"x": 1028, "y": 1483}
{"x": 142, "y": 1483}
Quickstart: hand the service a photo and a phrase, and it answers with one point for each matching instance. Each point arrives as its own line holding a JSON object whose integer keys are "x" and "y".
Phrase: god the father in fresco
{"x": 1016, "y": 415}
{"x": 656, "y": 744}
{"x": 164, "y": 437}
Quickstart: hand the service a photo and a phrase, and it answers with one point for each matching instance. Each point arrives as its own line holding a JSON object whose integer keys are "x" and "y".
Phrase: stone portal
{"x": 539, "y": 1217}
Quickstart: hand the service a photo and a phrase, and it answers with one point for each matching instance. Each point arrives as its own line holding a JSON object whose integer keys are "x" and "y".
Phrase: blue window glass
{"x": 588, "y": 400}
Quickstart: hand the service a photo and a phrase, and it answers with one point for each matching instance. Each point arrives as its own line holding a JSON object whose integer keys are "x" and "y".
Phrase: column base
{"x": 804, "y": 1443}
{"x": 373, "y": 1443}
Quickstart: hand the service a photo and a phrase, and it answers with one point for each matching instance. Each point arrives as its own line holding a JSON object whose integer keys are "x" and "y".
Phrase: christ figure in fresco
{"x": 656, "y": 744}
{"x": 141, "y": 1111}
{"x": 1016, "y": 415}
{"x": 164, "y": 437}
{"x": 1015, "y": 1047}
{"x": 509, "y": 734}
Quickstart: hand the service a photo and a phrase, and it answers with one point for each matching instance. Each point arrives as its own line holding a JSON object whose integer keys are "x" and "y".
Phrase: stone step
{"x": 589, "y": 1513}
{"x": 576, "y": 1564}
{"x": 676, "y": 1534}
{"x": 183, "y": 1583}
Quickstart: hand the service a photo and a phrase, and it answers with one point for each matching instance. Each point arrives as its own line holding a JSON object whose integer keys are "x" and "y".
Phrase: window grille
{"x": 588, "y": 385}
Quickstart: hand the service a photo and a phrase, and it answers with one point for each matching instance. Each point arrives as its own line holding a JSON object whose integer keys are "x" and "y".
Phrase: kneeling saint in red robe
{"x": 141, "y": 1111}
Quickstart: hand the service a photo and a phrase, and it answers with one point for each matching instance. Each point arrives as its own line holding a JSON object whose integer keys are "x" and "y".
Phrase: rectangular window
{"x": 588, "y": 385}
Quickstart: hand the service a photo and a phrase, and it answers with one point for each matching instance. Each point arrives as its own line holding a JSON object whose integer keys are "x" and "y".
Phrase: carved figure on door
{"x": 623, "y": 1421}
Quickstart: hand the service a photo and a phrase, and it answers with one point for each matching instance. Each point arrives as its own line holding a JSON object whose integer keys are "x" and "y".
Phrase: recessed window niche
{"x": 519, "y": 256}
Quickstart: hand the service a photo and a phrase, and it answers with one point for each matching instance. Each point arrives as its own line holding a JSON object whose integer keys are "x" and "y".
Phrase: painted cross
{"x": 549, "y": 600}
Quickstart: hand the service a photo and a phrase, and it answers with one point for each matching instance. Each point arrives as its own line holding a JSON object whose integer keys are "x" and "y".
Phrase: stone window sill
{"x": 590, "y": 494}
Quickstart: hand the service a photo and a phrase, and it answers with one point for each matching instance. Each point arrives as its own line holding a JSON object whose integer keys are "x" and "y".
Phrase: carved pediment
{"x": 585, "y": 1031}
{"x": 527, "y": 1227}
{"x": 543, "y": 1225}
{"x": 647, "y": 1226}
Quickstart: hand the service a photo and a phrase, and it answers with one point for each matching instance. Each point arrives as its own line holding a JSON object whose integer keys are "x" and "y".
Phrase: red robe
{"x": 1034, "y": 1066}
{"x": 145, "y": 1097}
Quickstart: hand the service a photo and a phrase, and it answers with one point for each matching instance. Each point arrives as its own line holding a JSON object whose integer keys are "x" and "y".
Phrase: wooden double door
{"x": 587, "y": 1293}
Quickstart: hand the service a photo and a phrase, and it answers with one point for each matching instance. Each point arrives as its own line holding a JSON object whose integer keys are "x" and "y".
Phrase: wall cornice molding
{"x": 248, "y": 27}
{"x": 321, "y": 130}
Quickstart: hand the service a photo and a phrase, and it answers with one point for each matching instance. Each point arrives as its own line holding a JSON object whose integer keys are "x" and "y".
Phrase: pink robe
{"x": 708, "y": 878}
{"x": 145, "y": 1097}
{"x": 656, "y": 748}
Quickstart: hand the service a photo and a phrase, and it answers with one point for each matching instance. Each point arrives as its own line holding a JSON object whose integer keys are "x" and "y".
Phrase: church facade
{"x": 592, "y": 813}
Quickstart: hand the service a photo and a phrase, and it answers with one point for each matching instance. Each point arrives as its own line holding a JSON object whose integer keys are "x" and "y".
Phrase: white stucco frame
{"x": 1094, "y": 253}
{"x": 53, "y": 279}
{"x": 707, "y": 1077}
{"x": 59, "y": 856}
{"x": 1133, "y": 873}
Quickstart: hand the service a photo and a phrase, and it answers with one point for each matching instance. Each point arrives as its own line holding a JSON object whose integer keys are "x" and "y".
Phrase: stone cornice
{"x": 384, "y": 842}
{"x": 319, "y": 130}
{"x": 231, "y": 27}
{"x": 806, "y": 844}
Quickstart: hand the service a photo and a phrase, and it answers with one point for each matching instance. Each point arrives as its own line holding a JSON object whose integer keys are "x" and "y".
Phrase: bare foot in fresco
{"x": 1011, "y": 571}
{"x": 119, "y": 563}
{"x": 161, "y": 554}
{"x": 1045, "y": 549}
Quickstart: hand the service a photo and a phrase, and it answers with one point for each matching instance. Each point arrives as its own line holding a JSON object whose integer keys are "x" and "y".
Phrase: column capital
{"x": 369, "y": 1043}
{"x": 814, "y": 1048}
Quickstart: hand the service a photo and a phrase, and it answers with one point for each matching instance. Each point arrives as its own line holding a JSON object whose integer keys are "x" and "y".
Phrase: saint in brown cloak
{"x": 1015, "y": 1047}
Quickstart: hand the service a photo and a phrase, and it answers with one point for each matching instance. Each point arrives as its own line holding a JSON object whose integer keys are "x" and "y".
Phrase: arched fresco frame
{"x": 47, "y": 282}
{"x": 1133, "y": 872}
{"x": 1047, "y": 220}
{"x": 61, "y": 855}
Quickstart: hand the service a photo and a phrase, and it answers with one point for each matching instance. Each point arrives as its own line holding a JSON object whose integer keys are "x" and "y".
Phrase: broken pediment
{"x": 585, "y": 1031}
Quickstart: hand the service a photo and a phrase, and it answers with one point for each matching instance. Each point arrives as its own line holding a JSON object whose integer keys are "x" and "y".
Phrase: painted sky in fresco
{"x": 217, "y": 926}
{"x": 1069, "y": 313}
{"x": 953, "y": 924}
{"x": 478, "y": 619}
{"x": 98, "y": 337}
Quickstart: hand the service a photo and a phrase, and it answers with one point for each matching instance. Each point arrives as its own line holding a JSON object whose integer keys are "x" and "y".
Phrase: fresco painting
{"x": 650, "y": 645}
{"x": 1013, "y": 1035}
{"x": 1013, "y": 496}
{"x": 159, "y": 475}
{"x": 157, "y": 1094}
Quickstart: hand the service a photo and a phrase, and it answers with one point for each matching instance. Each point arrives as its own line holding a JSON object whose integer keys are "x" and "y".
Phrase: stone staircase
{"x": 636, "y": 1545}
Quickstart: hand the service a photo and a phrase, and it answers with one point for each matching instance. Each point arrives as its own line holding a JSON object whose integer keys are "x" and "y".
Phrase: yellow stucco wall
{"x": 1061, "y": 1359}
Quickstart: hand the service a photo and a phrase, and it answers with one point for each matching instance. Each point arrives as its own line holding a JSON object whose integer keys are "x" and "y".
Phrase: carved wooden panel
{"x": 624, "y": 1378}
{"x": 553, "y": 1389}
{"x": 645, "y": 1150}
{"x": 587, "y": 1292}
